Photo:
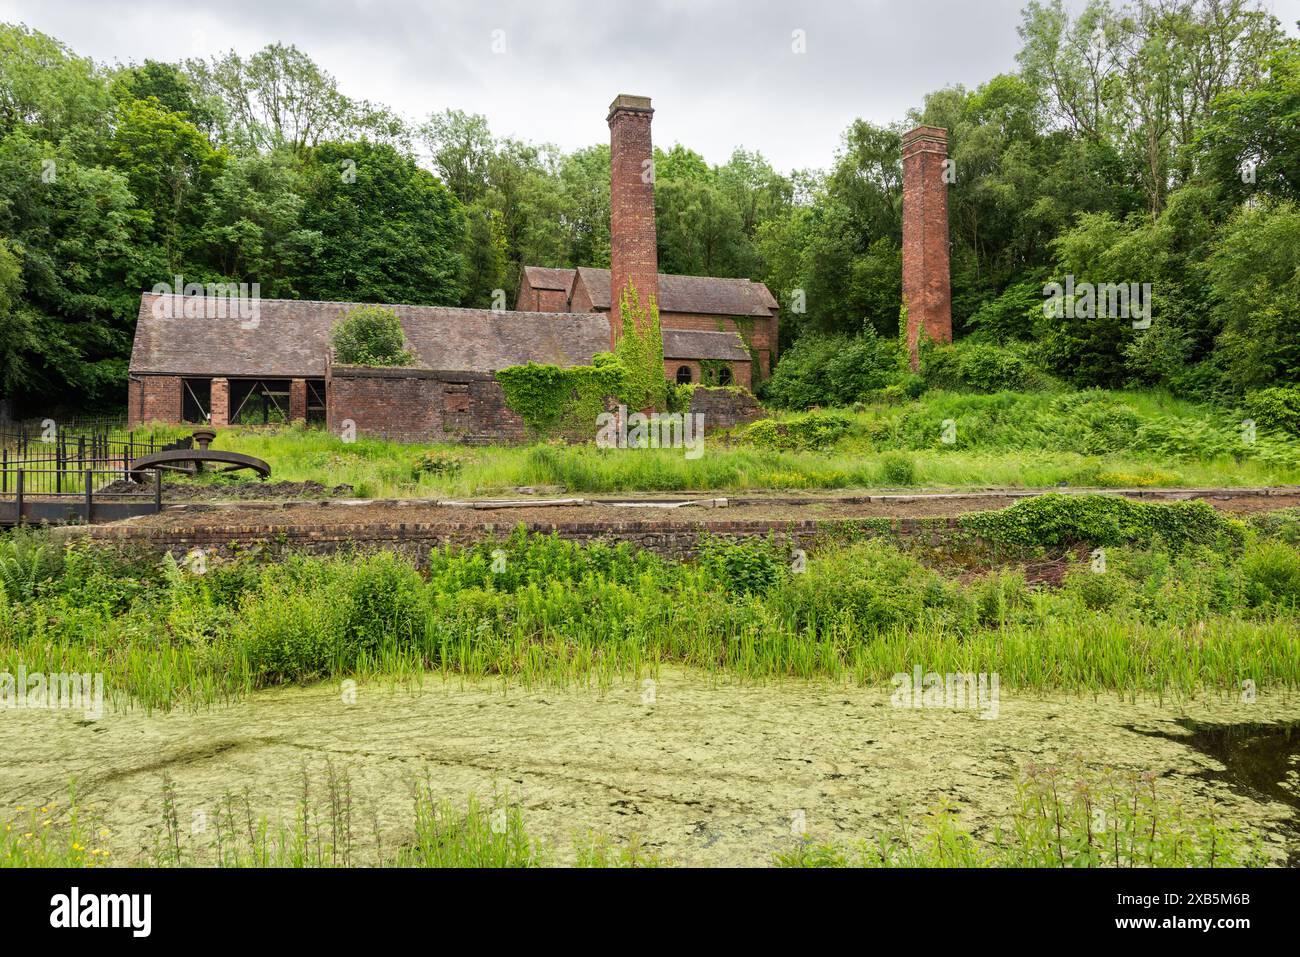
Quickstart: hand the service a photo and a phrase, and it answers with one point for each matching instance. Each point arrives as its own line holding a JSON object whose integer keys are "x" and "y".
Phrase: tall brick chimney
{"x": 632, "y": 254}
{"x": 926, "y": 288}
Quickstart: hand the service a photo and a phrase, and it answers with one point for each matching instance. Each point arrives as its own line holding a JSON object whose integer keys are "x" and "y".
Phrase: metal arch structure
{"x": 190, "y": 460}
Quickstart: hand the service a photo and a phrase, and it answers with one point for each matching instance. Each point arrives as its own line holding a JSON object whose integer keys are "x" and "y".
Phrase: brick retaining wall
{"x": 675, "y": 540}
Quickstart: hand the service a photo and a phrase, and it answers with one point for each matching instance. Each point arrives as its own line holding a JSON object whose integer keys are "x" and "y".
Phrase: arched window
{"x": 724, "y": 375}
{"x": 684, "y": 375}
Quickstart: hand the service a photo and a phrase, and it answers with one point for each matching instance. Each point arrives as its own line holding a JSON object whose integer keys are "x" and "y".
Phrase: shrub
{"x": 811, "y": 432}
{"x": 289, "y": 634}
{"x": 1272, "y": 573}
{"x": 1058, "y": 520}
{"x": 1276, "y": 408}
{"x": 371, "y": 336}
{"x": 1282, "y": 524}
{"x": 834, "y": 370}
{"x": 871, "y": 584}
{"x": 27, "y": 562}
{"x": 553, "y": 400}
{"x": 434, "y": 462}
{"x": 975, "y": 366}
{"x": 746, "y": 567}
{"x": 898, "y": 469}
{"x": 1010, "y": 316}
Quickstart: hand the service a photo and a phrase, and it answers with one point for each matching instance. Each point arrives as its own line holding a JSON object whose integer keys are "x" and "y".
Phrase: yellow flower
{"x": 77, "y": 847}
{"x": 103, "y": 832}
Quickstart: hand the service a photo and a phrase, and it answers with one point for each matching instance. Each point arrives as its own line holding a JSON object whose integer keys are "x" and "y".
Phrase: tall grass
{"x": 545, "y": 611}
{"x": 1093, "y": 438}
{"x": 1062, "y": 817}
{"x": 1075, "y": 816}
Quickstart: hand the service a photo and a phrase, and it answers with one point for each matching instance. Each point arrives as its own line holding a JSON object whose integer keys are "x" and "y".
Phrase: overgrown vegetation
{"x": 542, "y": 609}
{"x": 1092, "y": 438}
{"x": 371, "y": 336}
{"x": 554, "y": 400}
{"x": 1098, "y": 156}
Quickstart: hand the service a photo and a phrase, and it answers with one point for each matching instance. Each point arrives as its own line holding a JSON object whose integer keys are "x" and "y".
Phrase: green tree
{"x": 388, "y": 230}
{"x": 170, "y": 166}
{"x": 1254, "y": 274}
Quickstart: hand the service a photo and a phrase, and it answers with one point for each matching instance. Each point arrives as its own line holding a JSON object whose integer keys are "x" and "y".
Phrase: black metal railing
{"x": 63, "y": 446}
{"x": 99, "y": 490}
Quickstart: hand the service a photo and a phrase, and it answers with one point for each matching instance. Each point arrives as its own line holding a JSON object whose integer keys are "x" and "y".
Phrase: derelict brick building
{"x": 219, "y": 368}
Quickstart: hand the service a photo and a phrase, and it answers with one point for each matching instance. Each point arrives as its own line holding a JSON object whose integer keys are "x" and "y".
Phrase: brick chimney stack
{"x": 632, "y": 253}
{"x": 926, "y": 288}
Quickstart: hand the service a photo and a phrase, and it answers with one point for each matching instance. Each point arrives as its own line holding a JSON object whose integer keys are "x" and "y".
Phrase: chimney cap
{"x": 926, "y": 133}
{"x": 626, "y": 102}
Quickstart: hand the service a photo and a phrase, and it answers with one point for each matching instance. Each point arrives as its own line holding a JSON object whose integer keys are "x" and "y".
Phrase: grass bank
{"x": 1183, "y": 601}
{"x": 942, "y": 440}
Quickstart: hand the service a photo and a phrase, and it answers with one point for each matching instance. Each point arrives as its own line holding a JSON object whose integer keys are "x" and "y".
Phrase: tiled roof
{"x": 706, "y": 295}
{"x": 292, "y": 337}
{"x": 543, "y": 277}
{"x": 693, "y": 344}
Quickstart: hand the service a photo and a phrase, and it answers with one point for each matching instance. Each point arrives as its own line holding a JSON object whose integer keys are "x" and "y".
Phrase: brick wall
{"x": 926, "y": 288}
{"x": 551, "y": 300}
{"x": 153, "y": 398}
{"x": 526, "y": 300}
{"x": 632, "y": 252}
{"x": 421, "y": 405}
{"x": 677, "y": 540}
{"x": 220, "y": 413}
{"x": 742, "y": 373}
{"x": 725, "y": 408}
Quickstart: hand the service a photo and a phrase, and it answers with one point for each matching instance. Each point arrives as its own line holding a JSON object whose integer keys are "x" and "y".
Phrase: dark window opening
{"x": 196, "y": 401}
{"x": 684, "y": 375}
{"x": 259, "y": 401}
{"x": 724, "y": 375}
{"x": 316, "y": 401}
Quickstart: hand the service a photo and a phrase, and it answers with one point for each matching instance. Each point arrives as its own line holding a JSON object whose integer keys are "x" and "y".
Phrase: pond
{"x": 704, "y": 770}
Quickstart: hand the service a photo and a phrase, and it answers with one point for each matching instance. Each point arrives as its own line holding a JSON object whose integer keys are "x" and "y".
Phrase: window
{"x": 196, "y": 400}
{"x": 724, "y": 375}
{"x": 684, "y": 375}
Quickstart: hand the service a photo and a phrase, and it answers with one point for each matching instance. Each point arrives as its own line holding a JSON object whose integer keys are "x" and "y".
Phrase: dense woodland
{"x": 1157, "y": 142}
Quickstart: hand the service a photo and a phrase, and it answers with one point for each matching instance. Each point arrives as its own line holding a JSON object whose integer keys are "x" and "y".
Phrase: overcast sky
{"x": 721, "y": 73}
